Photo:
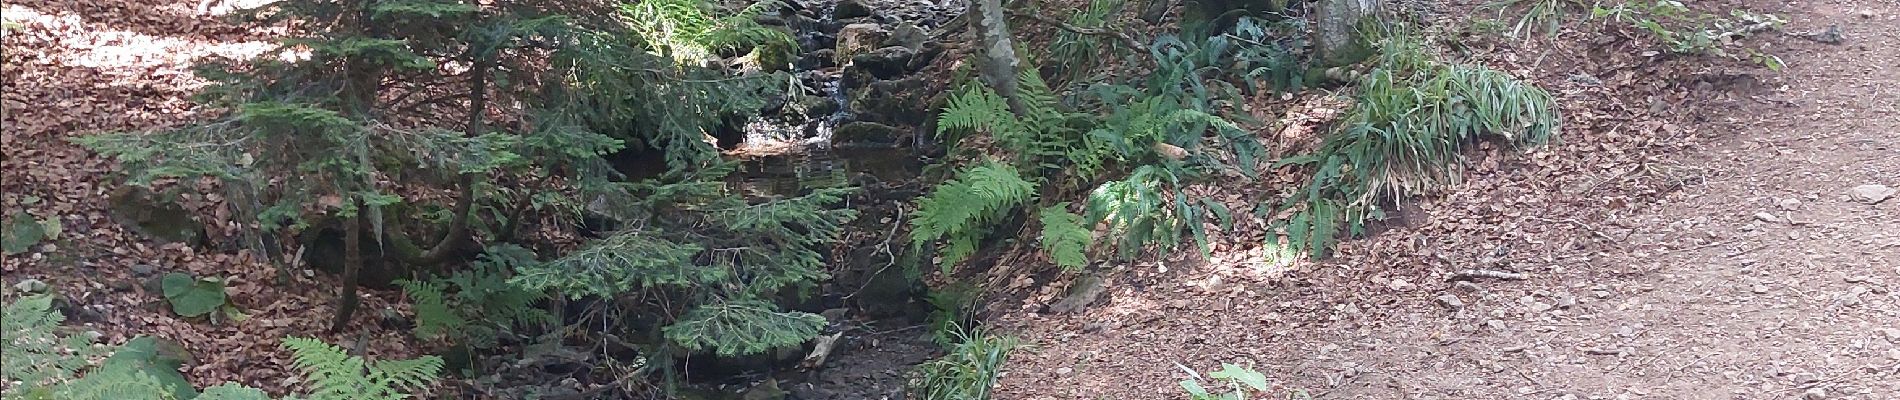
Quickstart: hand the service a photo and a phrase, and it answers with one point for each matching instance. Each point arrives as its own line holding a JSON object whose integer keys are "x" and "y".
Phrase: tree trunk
{"x": 352, "y": 267}
{"x": 1337, "y": 36}
{"x": 996, "y": 57}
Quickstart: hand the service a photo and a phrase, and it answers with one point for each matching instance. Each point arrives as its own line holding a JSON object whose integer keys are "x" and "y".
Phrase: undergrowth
{"x": 968, "y": 371}
{"x": 1413, "y": 118}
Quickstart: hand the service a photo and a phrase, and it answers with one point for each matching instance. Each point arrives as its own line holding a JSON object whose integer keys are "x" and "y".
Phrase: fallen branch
{"x": 1473, "y": 274}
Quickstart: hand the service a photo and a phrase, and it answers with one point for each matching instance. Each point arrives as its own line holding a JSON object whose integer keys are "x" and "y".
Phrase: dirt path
{"x": 1757, "y": 278}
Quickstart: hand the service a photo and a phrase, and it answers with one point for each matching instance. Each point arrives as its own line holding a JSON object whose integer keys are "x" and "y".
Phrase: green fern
{"x": 960, "y": 210}
{"x": 335, "y": 375}
{"x": 1064, "y": 238}
{"x": 483, "y": 305}
{"x": 36, "y": 356}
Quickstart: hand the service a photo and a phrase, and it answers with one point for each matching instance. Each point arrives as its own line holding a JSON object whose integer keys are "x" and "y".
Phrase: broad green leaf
{"x": 192, "y": 297}
{"x": 22, "y": 232}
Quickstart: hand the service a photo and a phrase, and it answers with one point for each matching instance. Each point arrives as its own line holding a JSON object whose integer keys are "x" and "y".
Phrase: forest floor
{"x": 1693, "y": 237}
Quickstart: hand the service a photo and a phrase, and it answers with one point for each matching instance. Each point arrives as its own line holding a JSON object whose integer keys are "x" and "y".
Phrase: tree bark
{"x": 996, "y": 56}
{"x": 352, "y": 267}
{"x": 1336, "y": 30}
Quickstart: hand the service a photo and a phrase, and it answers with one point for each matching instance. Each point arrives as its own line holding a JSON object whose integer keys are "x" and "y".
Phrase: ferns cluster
{"x": 1130, "y": 147}
{"x": 1414, "y": 116}
{"x": 336, "y": 375}
{"x": 483, "y": 304}
{"x": 36, "y": 356}
{"x": 961, "y": 210}
{"x": 41, "y": 365}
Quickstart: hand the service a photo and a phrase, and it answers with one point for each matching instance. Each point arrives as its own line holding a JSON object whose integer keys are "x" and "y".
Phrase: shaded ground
{"x": 77, "y": 68}
{"x": 1651, "y": 275}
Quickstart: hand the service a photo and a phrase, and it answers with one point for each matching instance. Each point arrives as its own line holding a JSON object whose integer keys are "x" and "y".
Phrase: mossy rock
{"x": 155, "y": 215}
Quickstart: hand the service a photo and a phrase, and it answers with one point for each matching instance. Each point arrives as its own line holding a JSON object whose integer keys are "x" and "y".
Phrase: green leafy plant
{"x": 1681, "y": 30}
{"x": 968, "y": 371}
{"x": 477, "y": 306}
{"x": 22, "y": 231}
{"x": 1074, "y": 54}
{"x": 336, "y": 375}
{"x": 710, "y": 263}
{"x": 959, "y": 211}
{"x": 1064, "y": 237}
{"x": 1234, "y": 383}
{"x": 1413, "y": 117}
{"x": 1537, "y": 15}
{"x": 37, "y": 357}
{"x": 193, "y": 297}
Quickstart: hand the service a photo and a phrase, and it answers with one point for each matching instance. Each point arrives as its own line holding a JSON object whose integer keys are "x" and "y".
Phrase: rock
{"x": 884, "y": 63}
{"x": 143, "y": 269}
{"x": 1084, "y": 291}
{"x": 816, "y": 106}
{"x": 1064, "y": 371}
{"x": 1767, "y": 217}
{"x": 907, "y": 35}
{"x": 1538, "y": 306}
{"x": 1892, "y": 334}
{"x": 1451, "y": 302}
{"x": 158, "y": 218}
{"x": 1871, "y": 194}
{"x": 870, "y": 134}
{"x": 30, "y": 285}
{"x": 820, "y": 59}
{"x": 1814, "y": 394}
{"x": 848, "y": 9}
{"x": 1789, "y": 204}
{"x": 855, "y": 39}
{"x": 122, "y": 285}
{"x": 1759, "y": 289}
{"x": 1565, "y": 300}
{"x": 900, "y": 102}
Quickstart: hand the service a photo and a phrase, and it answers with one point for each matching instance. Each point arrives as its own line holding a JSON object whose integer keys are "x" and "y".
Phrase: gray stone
{"x": 907, "y": 35}
{"x": 30, "y": 285}
{"x": 848, "y": 9}
{"x": 1814, "y": 394}
{"x": 855, "y": 39}
{"x": 155, "y": 217}
{"x": 1451, "y": 302}
{"x": 884, "y": 63}
{"x": 1084, "y": 291}
{"x": 1871, "y": 194}
{"x": 143, "y": 269}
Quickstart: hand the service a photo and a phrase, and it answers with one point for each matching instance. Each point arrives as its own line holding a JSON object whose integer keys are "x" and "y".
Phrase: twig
{"x": 1473, "y": 274}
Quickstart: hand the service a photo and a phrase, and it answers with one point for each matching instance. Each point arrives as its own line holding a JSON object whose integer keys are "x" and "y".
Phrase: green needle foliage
{"x": 1413, "y": 118}
{"x": 478, "y": 306}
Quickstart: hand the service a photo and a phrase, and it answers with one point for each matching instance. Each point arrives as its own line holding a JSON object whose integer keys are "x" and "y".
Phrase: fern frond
{"x": 962, "y": 208}
{"x": 1064, "y": 238}
{"x": 36, "y": 356}
{"x": 335, "y": 375}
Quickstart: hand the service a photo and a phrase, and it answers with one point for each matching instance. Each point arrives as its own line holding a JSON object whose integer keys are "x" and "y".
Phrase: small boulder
{"x": 161, "y": 219}
{"x": 855, "y": 39}
{"x": 884, "y": 63}
{"x": 898, "y": 102}
{"x": 907, "y": 35}
{"x": 1085, "y": 291}
{"x": 1871, "y": 194}
{"x": 848, "y": 9}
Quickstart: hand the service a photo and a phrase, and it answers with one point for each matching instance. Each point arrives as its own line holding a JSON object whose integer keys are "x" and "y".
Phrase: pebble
{"x": 1893, "y": 354}
{"x": 1565, "y": 300}
{"x": 1760, "y": 289}
{"x": 1065, "y": 371}
{"x": 1892, "y": 334}
{"x": 1768, "y": 217}
{"x": 143, "y": 269}
{"x": 1871, "y": 194}
{"x": 1814, "y": 394}
{"x": 30, "y": 285}
{"x": 1451, "y": 302}
{"x": 1789, "y": 204}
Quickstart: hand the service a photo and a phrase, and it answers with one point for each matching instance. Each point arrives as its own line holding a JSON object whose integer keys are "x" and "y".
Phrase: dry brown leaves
{"x": 74, "y": 68}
